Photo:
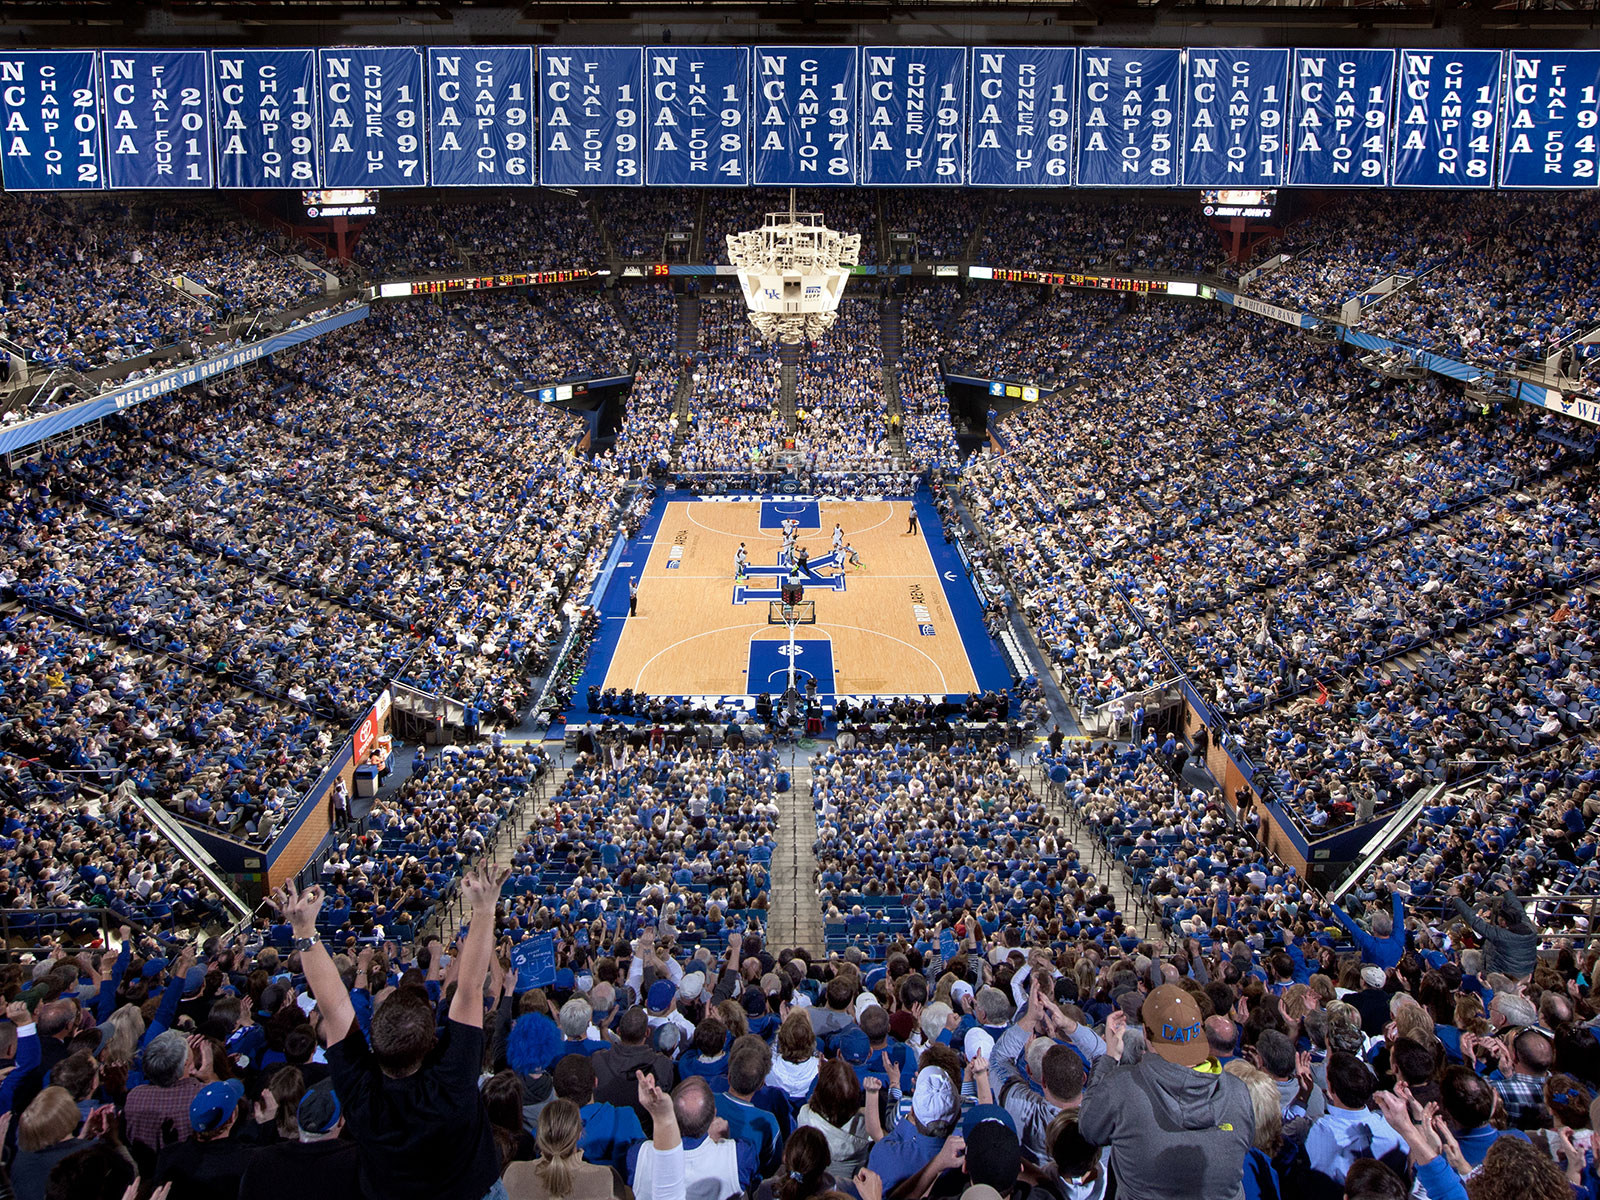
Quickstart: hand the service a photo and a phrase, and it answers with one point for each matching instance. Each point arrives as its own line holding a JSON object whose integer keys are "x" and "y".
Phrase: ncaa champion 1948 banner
{"x": 480, "y": 116}
{"x": 1021, "y": 105}
{"x": 1449, "y": 105}
{"x": 697, "y": 116}
{"x": 805, "y": 115}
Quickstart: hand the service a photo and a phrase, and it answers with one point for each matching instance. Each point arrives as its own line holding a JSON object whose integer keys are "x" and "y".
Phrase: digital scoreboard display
{"x": 323, "y": 203}
{"x": 473, "y": 283}
{"x": 1238, "y": 202}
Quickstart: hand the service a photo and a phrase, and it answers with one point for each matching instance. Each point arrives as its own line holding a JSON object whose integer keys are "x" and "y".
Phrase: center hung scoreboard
{"x": 731, "y": 116}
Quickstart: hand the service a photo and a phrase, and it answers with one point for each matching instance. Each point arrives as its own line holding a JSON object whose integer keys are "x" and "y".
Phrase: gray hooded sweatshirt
{"x": 1175, "y": 1133}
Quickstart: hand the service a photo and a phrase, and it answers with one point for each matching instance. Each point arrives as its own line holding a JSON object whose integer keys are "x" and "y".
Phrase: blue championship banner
{"x": 1128, "y": 117}
{"x": 158, "y": 118}
{"x": 806, "y": 115}
{"x": 1343, "y": 100}
{"x": 50, "y": 100}
{"x": 372, "y": 119}
{"x": 913, "y": 123}
{"x": 1552, "y": 105}
{"x": 480, "y": 116}
{"x": 697, "y": 109}
{"x": 1235, "y": 109}
{"x": 266, "y": 118}
{"x": 591, "y": 112}
{"x": 1021, "y": 107}
{"x": 1449, "y": 105}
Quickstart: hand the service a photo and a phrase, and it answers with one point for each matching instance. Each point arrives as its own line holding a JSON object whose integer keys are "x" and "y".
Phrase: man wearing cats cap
{"x": 1176, "y": 1124}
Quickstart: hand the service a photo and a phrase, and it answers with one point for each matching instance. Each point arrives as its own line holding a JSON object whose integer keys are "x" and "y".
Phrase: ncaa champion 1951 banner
{"x": 913, "y": 120}
{"x": 1235, "y": 108}
{"x": 697, "y": 116}
{"x": 480, "y": 116}
{"x": 50, "y": 100}
{"x": 591, "y": 116}
{"x": 806, "y": 115}
{"x": 158, "y": 118}
{"x": 1128, "y": 117}
{"x": 266, "y": 118}
{"x": 1021, "y": 106}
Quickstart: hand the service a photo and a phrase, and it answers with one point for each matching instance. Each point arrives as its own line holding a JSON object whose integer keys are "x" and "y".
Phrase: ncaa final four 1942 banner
{"x": 1552, "y": 108}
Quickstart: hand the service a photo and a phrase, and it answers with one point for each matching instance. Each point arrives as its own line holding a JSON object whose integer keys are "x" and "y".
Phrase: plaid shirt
{"x": 149, "y": 1107}
{"x": 1521, "y": 1093}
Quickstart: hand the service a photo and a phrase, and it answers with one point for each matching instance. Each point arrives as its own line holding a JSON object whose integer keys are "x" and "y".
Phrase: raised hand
{"x": 481, "y": 885}
{"x": 869, "y": 1184}
{"x": 1116, "y": 1026}
{"x": 299, "y": 908}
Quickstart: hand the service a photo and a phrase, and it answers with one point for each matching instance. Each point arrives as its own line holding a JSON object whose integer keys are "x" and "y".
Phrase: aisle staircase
{"x": 794, "y": 914}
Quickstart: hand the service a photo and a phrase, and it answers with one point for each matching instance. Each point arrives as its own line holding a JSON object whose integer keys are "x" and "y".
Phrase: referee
{"x": 633, "y": 596}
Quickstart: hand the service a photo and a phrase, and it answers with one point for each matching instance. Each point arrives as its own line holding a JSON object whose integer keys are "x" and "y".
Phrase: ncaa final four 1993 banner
{"x": 480, "y": 116}
{"x": 158, "y": 118}
{"x": 697, "y": 116}
{"x": 1021, "y": 114}
{"x": 806, "y": 116}
{"x": 1235, "y": 109}
{"x": 266, "y": 118}
{"x": 591, "y": 116}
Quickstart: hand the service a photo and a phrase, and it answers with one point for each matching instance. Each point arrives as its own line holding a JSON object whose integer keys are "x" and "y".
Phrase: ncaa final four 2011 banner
{"x": 783, "y": 116}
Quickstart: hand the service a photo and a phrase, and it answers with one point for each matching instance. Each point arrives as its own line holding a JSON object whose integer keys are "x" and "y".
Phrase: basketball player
{"x": 741, "y": 557}
{"x": 838, "y": 537}
{"x": 853, "y": 557}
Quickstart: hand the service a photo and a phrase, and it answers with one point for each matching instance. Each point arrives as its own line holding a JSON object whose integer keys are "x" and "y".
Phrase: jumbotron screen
{"x": 1238, "y": 202}
{"x": 340, "y": 202}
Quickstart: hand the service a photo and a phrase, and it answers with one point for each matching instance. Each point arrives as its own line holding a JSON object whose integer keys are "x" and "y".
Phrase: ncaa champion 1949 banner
{"x": 1340, "y": 118}
{"x": 697, "y": 116}
{"x": 480, "y": 116}
{"x": 805, "y": 116}
{"x": 1021, "y": 106}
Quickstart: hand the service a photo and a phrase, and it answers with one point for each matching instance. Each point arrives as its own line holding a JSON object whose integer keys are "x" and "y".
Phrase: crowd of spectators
{"x": 644, "y": 440}
{"x": 529, "y": 230}
{"x": 840, "y": 408}
{"x": 90, "y": 283}
{"x": 1030, "y": 230}
{"x": 549, "y": 335}
{"x": 942, "y": 220}
{"x": 734, "y": 418}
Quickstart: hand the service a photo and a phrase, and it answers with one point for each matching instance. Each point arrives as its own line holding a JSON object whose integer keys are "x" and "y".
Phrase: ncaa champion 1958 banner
{"x": 1021, "y": 105}
{"x": 697, "y": 116}
{"x": 480, "y": 116}
{"x": 805, "y": 115}
{"x": 1128, "y": 117}
{"x": 1235, "y": 108}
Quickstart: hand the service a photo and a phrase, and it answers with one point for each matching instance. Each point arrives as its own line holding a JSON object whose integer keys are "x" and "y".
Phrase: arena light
{"x": 793, "y": 271}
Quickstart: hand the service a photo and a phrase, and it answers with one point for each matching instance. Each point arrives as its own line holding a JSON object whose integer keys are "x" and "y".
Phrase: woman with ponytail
{"x": 803, "y": 1174}
{"x": 560, "y": 1173}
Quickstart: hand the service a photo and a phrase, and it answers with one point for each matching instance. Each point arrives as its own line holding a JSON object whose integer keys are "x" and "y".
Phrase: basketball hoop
{"x": 791, "y": 613}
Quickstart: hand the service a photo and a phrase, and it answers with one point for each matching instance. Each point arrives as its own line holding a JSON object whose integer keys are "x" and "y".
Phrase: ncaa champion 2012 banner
{"x": 50, "y": 101}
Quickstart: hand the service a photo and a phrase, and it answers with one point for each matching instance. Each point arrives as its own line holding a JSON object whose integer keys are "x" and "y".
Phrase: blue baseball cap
{"x": 564, "y": 979}
{"x": 853, "y": 1046}
{"x": 979, "y": 1113}
{"x": 662, "y": 993}
{"x": 154, "y": 967}
{"x": 214, "y": 1104}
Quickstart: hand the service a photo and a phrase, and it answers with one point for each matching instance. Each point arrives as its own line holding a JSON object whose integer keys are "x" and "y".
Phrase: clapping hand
{"x": 482, "y": 883}
{"x": 1116, "y": 1026}
{"x": 869, "y": 1185}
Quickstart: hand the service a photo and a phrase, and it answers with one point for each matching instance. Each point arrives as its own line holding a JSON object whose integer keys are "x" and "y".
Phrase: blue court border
{"x": 989, "y": 666}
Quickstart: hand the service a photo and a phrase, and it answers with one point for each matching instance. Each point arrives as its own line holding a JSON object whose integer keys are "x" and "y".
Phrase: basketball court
{"x": 905, "y": 622}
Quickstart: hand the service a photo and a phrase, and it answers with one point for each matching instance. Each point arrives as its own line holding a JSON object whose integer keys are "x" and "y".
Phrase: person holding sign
{"x": 411, "y": 1097}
